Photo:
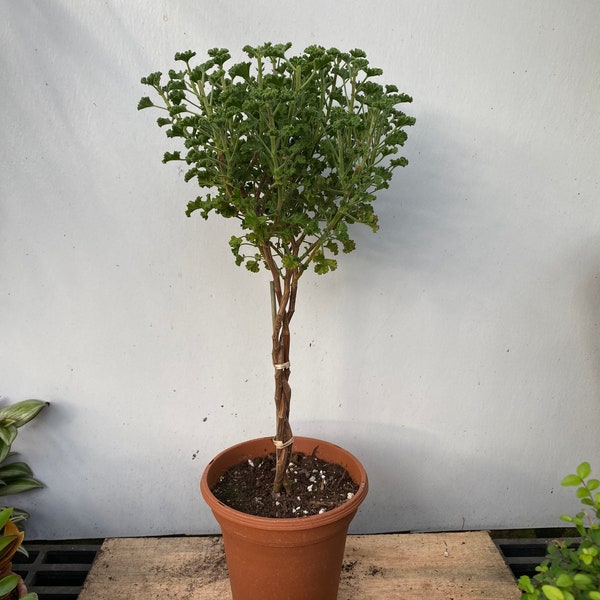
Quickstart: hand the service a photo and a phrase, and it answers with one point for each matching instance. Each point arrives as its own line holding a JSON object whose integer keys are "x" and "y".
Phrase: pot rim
{"x": 288, "y": 523}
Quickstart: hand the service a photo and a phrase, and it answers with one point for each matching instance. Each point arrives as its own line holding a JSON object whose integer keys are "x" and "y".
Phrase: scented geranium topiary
{"x": 294, "y": 148}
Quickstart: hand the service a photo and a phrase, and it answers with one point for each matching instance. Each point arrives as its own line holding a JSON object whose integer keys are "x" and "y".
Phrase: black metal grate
{"x": 56, "y": 571}
{"x": 523, "y": 555}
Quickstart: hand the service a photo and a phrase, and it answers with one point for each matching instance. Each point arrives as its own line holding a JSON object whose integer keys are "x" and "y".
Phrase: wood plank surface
{"x": 431, "y": 566}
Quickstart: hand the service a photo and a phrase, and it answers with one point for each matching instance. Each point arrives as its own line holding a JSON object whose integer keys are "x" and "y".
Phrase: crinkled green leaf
{"x": 144, "y": 102}
{"x": 169, "y": 156}
{"x": 185, "y": 56}
{"x": 253, "y": 266}
{"x": 153, "y": 79}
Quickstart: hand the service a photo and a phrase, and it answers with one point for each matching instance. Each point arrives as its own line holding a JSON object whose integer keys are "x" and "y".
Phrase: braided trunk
{"x": 283, "y": 294}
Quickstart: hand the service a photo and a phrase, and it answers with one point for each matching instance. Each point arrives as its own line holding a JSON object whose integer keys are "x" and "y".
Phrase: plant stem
{"x": 283, "y": 302}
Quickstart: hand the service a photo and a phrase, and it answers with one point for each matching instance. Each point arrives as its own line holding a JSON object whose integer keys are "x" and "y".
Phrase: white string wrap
{"x": 280, "y": 366}
{"x": 281, "y": 445}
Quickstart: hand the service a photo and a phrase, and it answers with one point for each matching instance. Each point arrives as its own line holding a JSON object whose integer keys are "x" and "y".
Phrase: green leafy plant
{"x": 572, "y": 572}
{"x": 10, "y": 543}
{"x": 16, "y": 477}
{"x": 294, "y": 148}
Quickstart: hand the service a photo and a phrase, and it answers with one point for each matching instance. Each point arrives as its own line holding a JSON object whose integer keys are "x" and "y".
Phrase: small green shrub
{"x": 572, "y": 572}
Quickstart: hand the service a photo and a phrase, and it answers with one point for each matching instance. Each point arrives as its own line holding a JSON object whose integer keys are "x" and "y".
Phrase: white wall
{"x": 457, "y": 352}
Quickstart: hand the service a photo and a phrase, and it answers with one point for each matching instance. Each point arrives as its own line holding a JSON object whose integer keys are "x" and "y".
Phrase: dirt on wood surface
{"x": 206, "y": 567}
{"x": 316, "y": 487}
{"x": 430, "y": 566}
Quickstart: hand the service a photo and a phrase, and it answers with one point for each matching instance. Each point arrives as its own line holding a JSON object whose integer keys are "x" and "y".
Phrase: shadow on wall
{"x": 425, "y": 208}
{"x": 589, "y": 314}
{"x": 485, "y": 256}
{"x": 418, "y": 485}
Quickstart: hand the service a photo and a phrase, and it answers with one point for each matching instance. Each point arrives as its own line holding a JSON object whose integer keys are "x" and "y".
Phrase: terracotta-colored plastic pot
{"x": 284, "y": 559}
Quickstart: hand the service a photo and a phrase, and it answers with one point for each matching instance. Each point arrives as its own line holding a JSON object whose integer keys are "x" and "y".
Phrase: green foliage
{"x": 16, "y": 477}
{"x": 572, "y": 572}
{"x": 294, "y": 147}
{"x": 10, "y": 543}
{"x": 11, "y": 537}
{"x": 9, "y": 583}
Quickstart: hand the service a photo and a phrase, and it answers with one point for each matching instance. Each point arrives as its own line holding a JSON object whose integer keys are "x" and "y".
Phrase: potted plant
{"x": 294, "y": 148}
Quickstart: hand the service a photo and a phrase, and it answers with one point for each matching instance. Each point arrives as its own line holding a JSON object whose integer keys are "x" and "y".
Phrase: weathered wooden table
{"x": 431, "y": 566}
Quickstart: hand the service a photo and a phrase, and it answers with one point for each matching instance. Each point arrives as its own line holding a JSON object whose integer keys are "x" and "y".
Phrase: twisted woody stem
{"x": 284, "y": 286}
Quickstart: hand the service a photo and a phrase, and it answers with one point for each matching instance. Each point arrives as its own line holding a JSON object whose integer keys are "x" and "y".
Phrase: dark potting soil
{"x": 316, "y": 487}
